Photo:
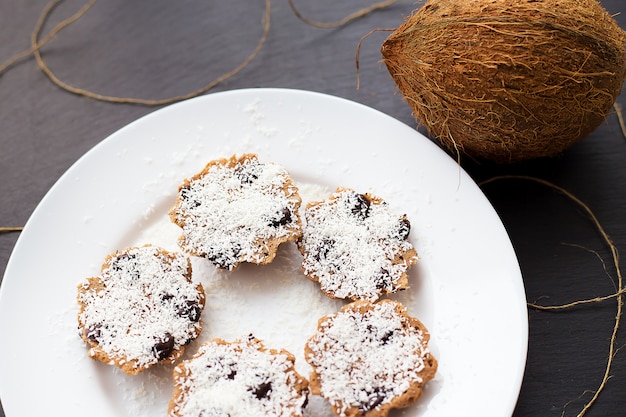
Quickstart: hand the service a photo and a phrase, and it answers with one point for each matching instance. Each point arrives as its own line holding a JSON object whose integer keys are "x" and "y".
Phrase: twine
{"x": 65, "y": 23}
{"x": 620, "y": 282}
{"x": 37, "y": 44}
{"x": 353, "y": 16}
{"x": 10, "y": 229}
{"x": 620, "y": 117}
{"x": 358, "y": 51}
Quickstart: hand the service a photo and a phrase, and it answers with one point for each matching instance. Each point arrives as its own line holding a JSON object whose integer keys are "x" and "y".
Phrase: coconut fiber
{"x": 508, "y": 80}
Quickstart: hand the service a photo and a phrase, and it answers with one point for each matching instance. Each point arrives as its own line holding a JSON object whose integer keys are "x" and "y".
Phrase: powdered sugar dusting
{"x": 257, "y": 118}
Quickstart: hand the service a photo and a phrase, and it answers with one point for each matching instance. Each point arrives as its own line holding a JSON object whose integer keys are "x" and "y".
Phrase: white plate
{"x": 467, "y": 288}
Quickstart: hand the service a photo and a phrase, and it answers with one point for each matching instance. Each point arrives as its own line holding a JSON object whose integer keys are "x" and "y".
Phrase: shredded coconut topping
{"x": 355, "y": 247}
{"x": 142, "y": 308}
{"x": 237, "y": 210}
{"x": 367, "y": 355}
{"x": 239, "y": 379}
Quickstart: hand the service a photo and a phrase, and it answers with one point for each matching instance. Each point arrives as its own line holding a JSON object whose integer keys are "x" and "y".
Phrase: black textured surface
{"x": 157, "y": 49}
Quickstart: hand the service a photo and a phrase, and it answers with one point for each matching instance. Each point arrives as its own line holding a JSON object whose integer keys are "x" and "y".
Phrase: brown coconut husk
{"x": 508, "y": 80}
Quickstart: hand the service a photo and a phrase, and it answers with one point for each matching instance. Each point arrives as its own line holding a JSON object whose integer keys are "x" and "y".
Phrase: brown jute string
{"x": 37, "y": 44}
{"x": 65, "y": 23}
{"x": 358, "y": 52}
{"x": 353, "y": 16}
{"x": 10, "y": 229}
{"x": 620, "y": 117}
{"x": 620, "y": 282}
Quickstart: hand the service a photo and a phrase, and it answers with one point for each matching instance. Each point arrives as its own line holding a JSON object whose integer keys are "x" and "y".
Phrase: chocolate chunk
{"x": 383, "y": 279}
{"x": 166, "y": 297}
{"x": 374, "y": 399}
{"x": 305, "y": 403}
{"x": 361, "y": 208}
{"x": 163, "y": 346}
{"x": 94, "y": 332}
{"x": 373, "y": 334}
{"x": 404, "y": 228}
{"x": 185, "y": 196}
{"x": 191, "y": 309}
{"x": 232, "y": 374}
{"x": 325, "y": 247}
{"x": 117, "y": 261}
{"x": 263, "y": 390}
{"x": 247, "y": 174}
{"x": 282, "y": 218}
{"x": 221, "y": 261}
{"x": 386, "y": 337}
{"x": 225, "y": 259}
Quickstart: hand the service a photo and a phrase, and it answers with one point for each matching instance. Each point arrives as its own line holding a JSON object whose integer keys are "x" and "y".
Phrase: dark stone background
{"x": 157, "y": 49}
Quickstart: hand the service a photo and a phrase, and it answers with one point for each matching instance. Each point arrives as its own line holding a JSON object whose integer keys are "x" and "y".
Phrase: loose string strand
{"x": 353, "y": 16}
{"x": 357, "y": 57}
{"x": 620, "y": 117}
{"x": 587, "y": 301}
{"x": 620, "y": 282}
{"x": 10, "y": 229}
{"x": 58, "y": 28}
{"x": 36, "y": 45}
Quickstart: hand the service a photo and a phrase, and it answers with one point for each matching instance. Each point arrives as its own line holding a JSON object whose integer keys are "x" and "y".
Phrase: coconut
{"x": 508, "y": 80}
